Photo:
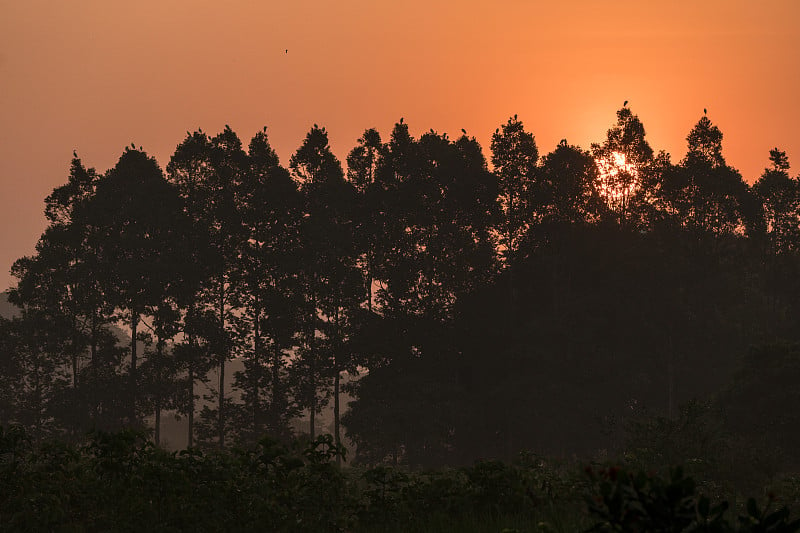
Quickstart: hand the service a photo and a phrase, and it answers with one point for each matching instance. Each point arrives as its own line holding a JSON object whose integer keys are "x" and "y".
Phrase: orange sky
{"x": 97, "y": 75}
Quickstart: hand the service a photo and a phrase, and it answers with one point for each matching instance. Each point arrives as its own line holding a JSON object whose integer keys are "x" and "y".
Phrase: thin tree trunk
{"x": 336, "y": 415}
{"x": 370, "y": 262}
{"x": 159, "y": 351}
{"x": 37, "y": 394}
{"x": 190, "y": 436}
{"x": 134, "y": 325}
{"x": 670, "y": 383}
{"x": 158, "y": 423}
{"x": 313, "y": 367}
{"x": 94, "y": 363}
{"x": 338, "y": 346}
{"x": 509, "y": 327}
{"x": 190, "y": 369}
{"x": 74, "y": 369}
{"x": 278, "y": 404}
{"x": 311, "y": 417}
{"x": 255, "y": 371}
{"x": 221, "y": 421}
{"x": 510, "y": 320}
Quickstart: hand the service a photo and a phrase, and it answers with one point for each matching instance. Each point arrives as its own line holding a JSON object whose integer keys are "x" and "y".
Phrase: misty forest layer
{"x": 548, "y": 303}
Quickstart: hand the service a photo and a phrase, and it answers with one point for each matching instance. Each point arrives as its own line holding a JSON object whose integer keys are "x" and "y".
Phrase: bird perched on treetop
{"x": 463, "y": 131}
{"x": 625, "y": 103}
{"x": 705, "y": 111}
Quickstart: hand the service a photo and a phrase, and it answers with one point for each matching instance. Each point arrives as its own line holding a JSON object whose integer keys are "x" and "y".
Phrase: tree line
{"x": 534, "y": 303}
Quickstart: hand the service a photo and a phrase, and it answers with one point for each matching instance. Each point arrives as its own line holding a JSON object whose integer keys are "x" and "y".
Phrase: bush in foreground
{"x": 121, "y": 482}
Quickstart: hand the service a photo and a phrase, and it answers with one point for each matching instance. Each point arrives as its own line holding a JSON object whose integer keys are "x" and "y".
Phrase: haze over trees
{"x": 542, "y": 302}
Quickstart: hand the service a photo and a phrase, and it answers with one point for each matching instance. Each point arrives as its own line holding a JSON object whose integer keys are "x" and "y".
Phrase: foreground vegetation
{"x": 122, "y": 482}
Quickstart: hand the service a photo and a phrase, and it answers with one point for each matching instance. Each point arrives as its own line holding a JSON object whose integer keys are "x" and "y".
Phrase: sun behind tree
{"x": 618, "y": 180}
{"x": 621, "y": 163}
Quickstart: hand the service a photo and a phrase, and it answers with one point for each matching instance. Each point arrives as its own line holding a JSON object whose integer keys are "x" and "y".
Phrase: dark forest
{"x": 607, "y": 304}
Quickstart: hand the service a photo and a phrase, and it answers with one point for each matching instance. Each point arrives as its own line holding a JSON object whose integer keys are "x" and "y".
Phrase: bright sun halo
{"x": 618, "y": 179}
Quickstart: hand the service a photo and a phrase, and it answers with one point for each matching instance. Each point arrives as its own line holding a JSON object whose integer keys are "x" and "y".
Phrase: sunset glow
{"x": 618, "y": 180}
{"x": 94, "y": 76}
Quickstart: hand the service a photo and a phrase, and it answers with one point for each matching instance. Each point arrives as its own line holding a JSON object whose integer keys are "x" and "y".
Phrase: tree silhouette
{"x": 626, "y": 157}
{"x": 543, "y": 304}
{"x": 62, "y": 281}
{"x": 190, "y": 171}
{"x": 514, "y": 157}
{"x": 31, "y": 358}
{"x": 716, "y": 192}
{"x": 271, "y": 210}
{"x": 135, "y": 227}
{"x": 363, "y": 164}
{"x": 567, "y": 190}
{"x": 780, "y": 197}
{"x": 207, "y": 172}
{"x": 329, "y": 264}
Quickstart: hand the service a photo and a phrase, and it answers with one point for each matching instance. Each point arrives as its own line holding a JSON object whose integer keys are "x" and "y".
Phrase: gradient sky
{"x": 95, "y": 76}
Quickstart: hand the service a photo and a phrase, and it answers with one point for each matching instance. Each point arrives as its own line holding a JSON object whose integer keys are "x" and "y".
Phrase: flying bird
{"x": 287, "y": 51}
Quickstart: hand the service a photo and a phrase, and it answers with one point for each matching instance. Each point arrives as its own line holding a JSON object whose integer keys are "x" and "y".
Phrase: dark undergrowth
{"x": 121, "y": 482}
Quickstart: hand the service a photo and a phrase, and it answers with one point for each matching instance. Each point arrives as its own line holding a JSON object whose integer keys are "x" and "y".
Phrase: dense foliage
{"x": 568, "y": 303}
{"x": 122, "y": 482}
